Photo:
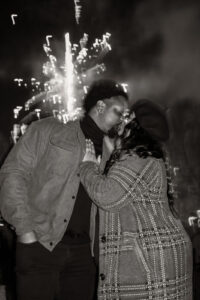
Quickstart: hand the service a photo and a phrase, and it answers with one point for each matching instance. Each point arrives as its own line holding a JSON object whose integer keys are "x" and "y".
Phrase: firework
{"x": 16, "y": 111}
{"x": 77, "y": 10}
{"x": 19, "y": 81}
{"x": 124, "y": 86}
{"x": 62, "y": 93}
{"x": 69, "y": 74}
{"x": 13, "y": 16}
{"x": 15, "y": 133}
{"x": 47, "y": 39}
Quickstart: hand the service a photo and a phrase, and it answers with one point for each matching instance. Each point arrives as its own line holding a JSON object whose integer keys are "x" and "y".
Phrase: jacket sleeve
{"x": 15, "y": 176}
{"x": 111, "y": 191}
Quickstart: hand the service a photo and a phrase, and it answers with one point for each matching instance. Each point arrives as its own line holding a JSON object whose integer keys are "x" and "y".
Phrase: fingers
{"x": 99, "y": 159}
{"x": 90, "y": 146}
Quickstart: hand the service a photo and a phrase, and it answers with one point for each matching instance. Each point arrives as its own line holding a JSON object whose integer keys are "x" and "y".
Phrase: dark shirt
{"x": 78, "y": 228}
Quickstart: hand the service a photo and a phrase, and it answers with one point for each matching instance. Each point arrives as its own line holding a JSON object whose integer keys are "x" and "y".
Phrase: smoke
{"x": 169, "y": 43}
{"x": 162, "y": 63}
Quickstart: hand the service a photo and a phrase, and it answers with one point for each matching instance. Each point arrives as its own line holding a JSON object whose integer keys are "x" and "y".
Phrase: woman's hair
{"x": 137, "y": 140}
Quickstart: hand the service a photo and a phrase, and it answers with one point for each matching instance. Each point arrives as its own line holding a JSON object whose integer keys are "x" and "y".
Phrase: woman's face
{"x": 124, "y": 131}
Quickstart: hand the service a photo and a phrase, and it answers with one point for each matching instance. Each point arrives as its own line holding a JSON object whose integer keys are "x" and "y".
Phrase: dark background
{"x": 155, "y": 49}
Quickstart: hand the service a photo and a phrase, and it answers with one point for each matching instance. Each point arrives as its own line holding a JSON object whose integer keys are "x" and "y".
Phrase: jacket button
{"x": 102, "y": 276}
{"x": 51, "y": 244}
{"x": 78, "y": 175}
{"x": 103, "y": 239}
{"x": 65, "y": 220}
{"x": 73, "y": 197}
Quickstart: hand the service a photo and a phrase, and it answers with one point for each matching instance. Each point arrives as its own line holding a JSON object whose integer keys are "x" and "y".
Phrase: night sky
{"x": 155, "y": 49}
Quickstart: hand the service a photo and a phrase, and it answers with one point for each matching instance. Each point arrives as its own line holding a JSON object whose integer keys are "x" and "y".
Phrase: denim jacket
{"x": 39, "y": 180}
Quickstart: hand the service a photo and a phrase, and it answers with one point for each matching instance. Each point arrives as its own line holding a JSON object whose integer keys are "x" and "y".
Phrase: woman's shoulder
{"x": 135, "y": 162}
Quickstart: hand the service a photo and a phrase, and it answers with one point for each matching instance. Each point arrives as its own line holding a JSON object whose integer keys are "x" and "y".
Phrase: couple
{"x": 81, "y": 222}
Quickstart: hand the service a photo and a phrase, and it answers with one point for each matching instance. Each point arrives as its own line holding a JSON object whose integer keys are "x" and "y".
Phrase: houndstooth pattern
{"x": 145, "y": 252}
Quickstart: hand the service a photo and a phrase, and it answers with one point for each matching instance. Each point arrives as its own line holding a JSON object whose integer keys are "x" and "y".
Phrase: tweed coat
{"x": 145, "y": 252}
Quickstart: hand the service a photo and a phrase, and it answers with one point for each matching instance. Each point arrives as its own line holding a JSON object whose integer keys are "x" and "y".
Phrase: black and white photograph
{"x": 100, "y": 150}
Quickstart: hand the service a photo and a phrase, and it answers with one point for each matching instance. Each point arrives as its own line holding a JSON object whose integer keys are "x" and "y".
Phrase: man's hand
{"x": 27, "y": 238}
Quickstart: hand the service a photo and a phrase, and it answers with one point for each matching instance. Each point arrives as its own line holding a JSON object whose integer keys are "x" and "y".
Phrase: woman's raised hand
{"x": 90, "y": 152}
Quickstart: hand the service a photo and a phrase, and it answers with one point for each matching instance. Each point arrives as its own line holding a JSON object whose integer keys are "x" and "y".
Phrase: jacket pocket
{"x": 60, "y": 159}
{"x": 133, "y": 266}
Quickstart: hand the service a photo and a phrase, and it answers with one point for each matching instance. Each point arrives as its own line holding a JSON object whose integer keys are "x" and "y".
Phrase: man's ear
{"x": 100, "y": 106}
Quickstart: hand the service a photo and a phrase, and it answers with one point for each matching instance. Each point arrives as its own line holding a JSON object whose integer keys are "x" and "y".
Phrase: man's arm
{"x": 15, "y": 176}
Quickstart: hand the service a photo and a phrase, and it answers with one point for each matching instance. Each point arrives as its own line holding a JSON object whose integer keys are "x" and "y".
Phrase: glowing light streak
{"x": 19, "y": 81}
{"x": 84, "y": 40}
{"x": 124, "y": 86}
{"x": 77, "y": 10}
{"x": 191, "y": 220}
{"x": 38, "y": 111}
{"x": 15, "y": 133}
{"x": 16, "y": 111}
{"x": 23, "y": 128}
{"x": 47, "y": 39}
{"x": 69, "y": 68}
{"x": 175, "y": 169}
{"x": 13, "y": 16}
{"x": 85, "y": 88}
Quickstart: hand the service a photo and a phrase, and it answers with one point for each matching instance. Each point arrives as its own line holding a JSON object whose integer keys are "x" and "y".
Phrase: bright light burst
{"x": 64, "y": 87}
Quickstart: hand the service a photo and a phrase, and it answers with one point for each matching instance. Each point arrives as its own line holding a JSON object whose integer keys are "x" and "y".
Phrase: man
{"x": 42, "y": 198}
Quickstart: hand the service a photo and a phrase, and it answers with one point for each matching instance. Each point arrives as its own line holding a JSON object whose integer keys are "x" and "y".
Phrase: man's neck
{"x": 96, "y": 120}
{"x": 93, "y": 132}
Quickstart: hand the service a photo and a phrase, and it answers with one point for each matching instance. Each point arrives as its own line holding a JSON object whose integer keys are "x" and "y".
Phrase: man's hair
{"x": 102, "y": 89}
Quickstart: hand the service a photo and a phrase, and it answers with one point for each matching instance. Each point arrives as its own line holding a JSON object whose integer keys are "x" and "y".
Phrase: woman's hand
{"x": 90, "y": 152}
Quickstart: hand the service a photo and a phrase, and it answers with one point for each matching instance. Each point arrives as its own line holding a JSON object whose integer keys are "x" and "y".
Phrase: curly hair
{"x": 102, "y": 89}
{"x": 139, "y": 142}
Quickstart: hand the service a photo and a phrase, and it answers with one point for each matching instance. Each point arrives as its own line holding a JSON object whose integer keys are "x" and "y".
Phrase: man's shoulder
{"x": 58, "y": 133}
{"x": 51, "y": 123}
{"x": 46, "y": 122}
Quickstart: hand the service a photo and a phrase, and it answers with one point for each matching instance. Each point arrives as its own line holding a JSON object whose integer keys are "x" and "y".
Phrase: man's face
{"x": 113, "y": 113}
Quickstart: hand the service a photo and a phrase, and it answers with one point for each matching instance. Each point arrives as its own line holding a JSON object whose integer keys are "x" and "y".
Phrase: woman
{"x": 144, "y": 251}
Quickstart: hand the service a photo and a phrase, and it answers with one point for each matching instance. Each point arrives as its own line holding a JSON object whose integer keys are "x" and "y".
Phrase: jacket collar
{"x": 65, "y": 137}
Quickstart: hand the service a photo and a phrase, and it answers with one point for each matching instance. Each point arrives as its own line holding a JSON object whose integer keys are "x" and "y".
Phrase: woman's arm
{"x": 111, "y": 191}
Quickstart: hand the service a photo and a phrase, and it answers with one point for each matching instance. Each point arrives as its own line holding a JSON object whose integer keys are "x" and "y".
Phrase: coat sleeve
{"x": 15, "y": 176}
{"x": 110, "y": 192}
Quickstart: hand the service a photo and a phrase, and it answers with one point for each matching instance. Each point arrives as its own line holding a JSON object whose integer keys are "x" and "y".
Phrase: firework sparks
{"x": 15, "y": 133}
{"x": 13, "y": 16}
{"x": 19, "y": 81}
{"x": 16, "y": 111}
{"x": 124, "y": 86}
{"x": 69, "y": 70}
{"x": 77, "y": 10}
{"x": 38, "y": 111}
{"x": 47, "y": 39}
{"x": 58, "y": 95}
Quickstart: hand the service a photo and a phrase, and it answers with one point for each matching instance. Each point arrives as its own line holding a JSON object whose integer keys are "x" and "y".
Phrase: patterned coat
{"x": 145, "y": 252}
